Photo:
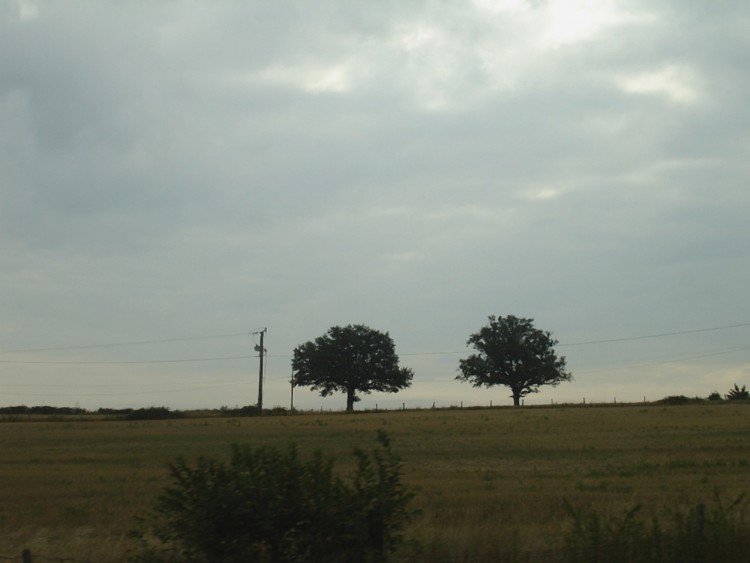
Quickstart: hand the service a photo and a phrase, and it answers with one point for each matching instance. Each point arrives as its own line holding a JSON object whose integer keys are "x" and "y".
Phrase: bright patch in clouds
{"x": 675, "y": 82}
{"x": 560, "y": 22}
{"x": 27, "y": 9}
{"x": 447, "y": 71}
{"x": 543, "y": 194}
{"x": 315, "y": 79}
{"x": 570, "y": 21}
{"x": 418, "y": 37}
{"x": 509, "y": 6}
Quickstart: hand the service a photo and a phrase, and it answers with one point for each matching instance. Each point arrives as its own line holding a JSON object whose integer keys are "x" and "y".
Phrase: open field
{"x": 486, "y": 479}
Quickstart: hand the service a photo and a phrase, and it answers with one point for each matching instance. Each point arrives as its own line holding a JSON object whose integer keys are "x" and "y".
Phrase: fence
{"x": 27, "y": 557}
{"x": 594, "y": 548}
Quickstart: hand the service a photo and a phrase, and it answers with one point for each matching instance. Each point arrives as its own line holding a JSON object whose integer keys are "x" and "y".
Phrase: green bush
{"x": 716, "y": 534}
{"x": 270, "y": 506}
{"x": 737, "y": 394}
{"x": 674, "y": 400}
{"x": 153, "y": 413}
{"x": 621, "y": 538}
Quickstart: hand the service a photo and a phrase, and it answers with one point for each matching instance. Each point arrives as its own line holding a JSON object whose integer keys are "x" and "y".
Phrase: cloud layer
{"x": 180, "y": 169}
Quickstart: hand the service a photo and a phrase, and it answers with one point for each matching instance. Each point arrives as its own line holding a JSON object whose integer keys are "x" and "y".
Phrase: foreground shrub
{"x": 718, "y": 534}
{"x": 270, "y": 506}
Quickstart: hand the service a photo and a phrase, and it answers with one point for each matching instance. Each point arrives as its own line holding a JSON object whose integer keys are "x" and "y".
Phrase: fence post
{"x": 700, "y": 517}
{"x": 26, "y": 556}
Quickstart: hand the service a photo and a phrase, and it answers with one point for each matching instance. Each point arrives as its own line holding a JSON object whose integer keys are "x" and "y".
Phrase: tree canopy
{"x": 351, "y": 359}
{"x": 737, "y": 394}
{"x": 511, "y": 352}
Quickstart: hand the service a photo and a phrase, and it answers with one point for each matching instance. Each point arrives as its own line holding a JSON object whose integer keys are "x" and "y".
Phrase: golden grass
{"x": 488, "y": 481}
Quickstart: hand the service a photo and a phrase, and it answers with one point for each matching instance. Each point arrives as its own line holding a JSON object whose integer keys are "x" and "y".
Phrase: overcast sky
{"x": 175, "y": 176}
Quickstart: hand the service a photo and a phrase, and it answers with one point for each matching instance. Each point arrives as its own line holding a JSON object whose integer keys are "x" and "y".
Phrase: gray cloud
{"x": 180, "y": 169}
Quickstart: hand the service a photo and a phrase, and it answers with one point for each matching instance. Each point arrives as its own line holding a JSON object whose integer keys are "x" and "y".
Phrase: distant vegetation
{"x": 148, "y": 413}
{"x": 43, "y": 410}
{"x": 737, "y": 394}
{"x": 21, "y": 412}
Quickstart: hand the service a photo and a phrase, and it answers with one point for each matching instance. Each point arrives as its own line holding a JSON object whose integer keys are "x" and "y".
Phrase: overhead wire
{"x": 671, "y": 360}
{"x": 120, "y": 362}
{"x": 650, "y": 336}
{"x": 132, "y": 393}
{"x": 126, "y": 343}
{"x": 244, "y": 357}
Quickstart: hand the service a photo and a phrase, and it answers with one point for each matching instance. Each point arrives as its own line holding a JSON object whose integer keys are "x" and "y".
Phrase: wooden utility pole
{"x": 291, "y": 405}
{"x": 261, "y": 354}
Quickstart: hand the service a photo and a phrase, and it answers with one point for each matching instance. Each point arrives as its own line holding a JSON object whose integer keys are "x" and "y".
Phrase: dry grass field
{"x": 489, "y": 481}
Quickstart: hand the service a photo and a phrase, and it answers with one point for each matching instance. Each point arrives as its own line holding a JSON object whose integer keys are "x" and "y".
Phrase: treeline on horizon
{"x": 147, "y": 413}
{"x": 158, "y": 413}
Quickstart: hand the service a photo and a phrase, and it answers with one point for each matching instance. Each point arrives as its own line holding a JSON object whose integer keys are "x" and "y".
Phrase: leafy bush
{"x": 718, "y": 534}
{"x": 674, "y": 400}
{"x": 42, "y": 410}
{"x": 737, "y": 394}
{"x": 249, "y": 410}
{"x": 153, "y": 413}
{"x": 270, "y": 506}
{"x": 121, "y": 412}
{"x": 623, "y": 537}
{"x": 714, "y": 396}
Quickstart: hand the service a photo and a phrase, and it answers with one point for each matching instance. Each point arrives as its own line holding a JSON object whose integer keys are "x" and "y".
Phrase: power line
{"x": 583, "y": 343}
{"x": 672, "y": 360}
{"x": 242, "y": 357}
{"x": 127, "y": 343}
{"x": 660, "y": 335}
{"x": 139, "y": 384}
{"x": 448, "y": 353}
{"x": 119, "y": 362}
{"x": 129, "y": 393}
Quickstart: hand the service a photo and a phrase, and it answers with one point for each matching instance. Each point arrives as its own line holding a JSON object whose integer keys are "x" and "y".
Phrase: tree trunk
{"x": 516, "y": 397}
{"x": 350, "y": 398}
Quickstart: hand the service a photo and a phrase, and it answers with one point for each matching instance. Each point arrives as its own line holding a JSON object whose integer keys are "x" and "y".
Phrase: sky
{"x": 176, "y": 176}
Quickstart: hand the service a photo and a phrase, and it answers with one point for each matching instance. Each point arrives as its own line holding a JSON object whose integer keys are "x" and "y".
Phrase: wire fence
{"x": 719, "y": 536}
{"x": 26, "y": 557}
{"x": 614, "y": 553}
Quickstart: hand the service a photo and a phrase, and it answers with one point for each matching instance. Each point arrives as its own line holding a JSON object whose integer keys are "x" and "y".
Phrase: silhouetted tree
{"x": 737, "y": 394}
{"x": 351, "y": 359}
{"x": 513, "y": 353}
